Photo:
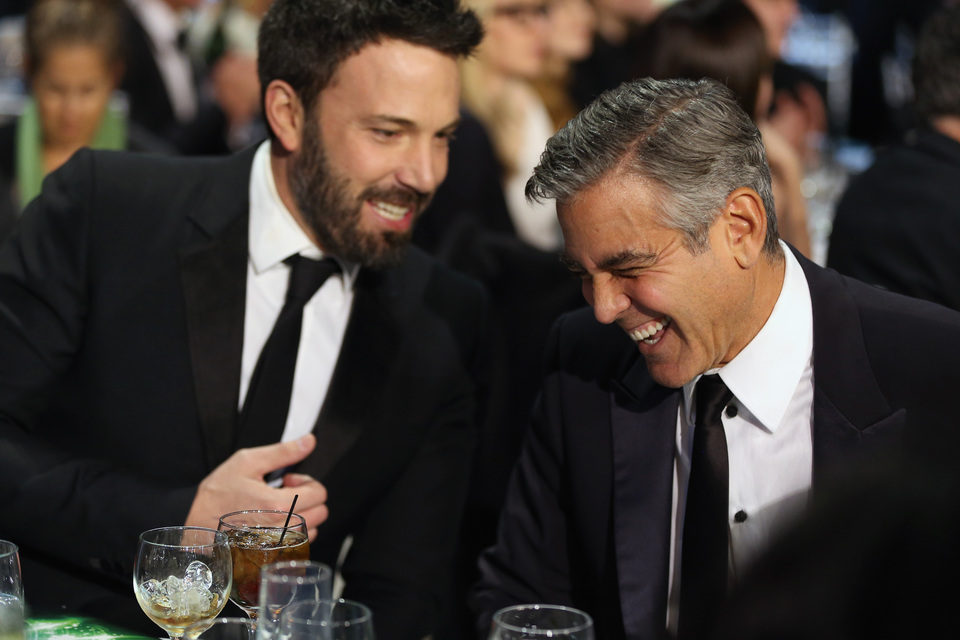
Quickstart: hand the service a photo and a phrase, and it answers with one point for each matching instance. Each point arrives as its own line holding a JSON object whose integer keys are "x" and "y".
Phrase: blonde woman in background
{"x": 572, "y": 24}
{"x": 497, "y": 89}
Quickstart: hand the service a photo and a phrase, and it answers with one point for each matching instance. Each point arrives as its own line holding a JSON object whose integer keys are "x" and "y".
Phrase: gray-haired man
{"x": 634, "y": 498}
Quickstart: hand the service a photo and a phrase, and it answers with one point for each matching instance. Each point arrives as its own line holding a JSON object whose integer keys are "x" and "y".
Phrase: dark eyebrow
{"x": 407, "y": 123}
{"x": 628, "y": 258}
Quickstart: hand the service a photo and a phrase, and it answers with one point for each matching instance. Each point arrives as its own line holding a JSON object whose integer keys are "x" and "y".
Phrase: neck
{"x": 280, "y": 160}
{"x": 948, "y": 126}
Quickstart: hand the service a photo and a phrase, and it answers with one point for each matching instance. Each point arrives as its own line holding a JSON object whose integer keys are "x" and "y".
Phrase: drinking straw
{"x": 287, "y": 521}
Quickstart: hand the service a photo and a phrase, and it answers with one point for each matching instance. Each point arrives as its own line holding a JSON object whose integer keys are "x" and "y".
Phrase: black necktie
{"x": 703, "y": 562}
{"x": 268, "y": 397}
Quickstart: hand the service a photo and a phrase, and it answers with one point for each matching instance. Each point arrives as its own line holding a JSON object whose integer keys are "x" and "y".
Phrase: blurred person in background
{"x": 798, "y": 110}
{"x": 497, "y": 89}
{"x": 616, "y": 45}
{"x": 73, "y": 63}
{"x": 723, "y": 40}
{"x": 222, "y": 39}
{"x": 572, "y": 24}
{"x": 897, "y": 225}
{"x": 195, "y": 113}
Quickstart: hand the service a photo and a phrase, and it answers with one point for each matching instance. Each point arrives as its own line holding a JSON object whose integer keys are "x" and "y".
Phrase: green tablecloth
{"x": 75, "y": 628}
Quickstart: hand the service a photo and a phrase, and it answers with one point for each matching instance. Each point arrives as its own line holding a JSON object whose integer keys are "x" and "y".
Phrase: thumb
{"x": 283, "y": 454}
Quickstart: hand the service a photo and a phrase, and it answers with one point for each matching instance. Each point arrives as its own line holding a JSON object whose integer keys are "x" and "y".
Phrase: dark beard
{"x": 326, "y": 207}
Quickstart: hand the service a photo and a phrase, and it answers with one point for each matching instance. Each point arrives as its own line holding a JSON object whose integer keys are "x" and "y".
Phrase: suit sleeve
{"x": 529, "y": 562}
{"x": 45, "y": 491}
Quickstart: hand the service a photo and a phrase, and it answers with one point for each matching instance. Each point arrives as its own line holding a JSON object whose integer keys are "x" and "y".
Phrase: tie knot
{"x": 307, "y": 275}
{"x": 712, "y": 396}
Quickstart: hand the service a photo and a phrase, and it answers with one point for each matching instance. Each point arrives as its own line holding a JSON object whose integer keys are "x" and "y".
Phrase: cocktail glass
{"x": 259, "y": 537}
{"x": 182, "y": 575}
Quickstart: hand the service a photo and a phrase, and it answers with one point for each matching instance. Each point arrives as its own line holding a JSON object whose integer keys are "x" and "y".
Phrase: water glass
{"x": 326, "y": 620}
{"x": 287, "y": 582}
{"x": 541, "y": 621}
{"x": 11, "y": 593}
{"x": 222, "y": 629}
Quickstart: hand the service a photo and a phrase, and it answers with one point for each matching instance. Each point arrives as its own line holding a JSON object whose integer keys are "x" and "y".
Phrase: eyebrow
{"x": 626, "y": 258}
{"x": 406, "y": 123}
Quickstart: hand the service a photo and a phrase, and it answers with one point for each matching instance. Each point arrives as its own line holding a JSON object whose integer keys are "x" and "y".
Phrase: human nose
{"x": 424, "y": 167}
{"x": 606, "y": 297}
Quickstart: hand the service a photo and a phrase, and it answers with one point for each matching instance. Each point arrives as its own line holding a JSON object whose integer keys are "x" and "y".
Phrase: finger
{"x": 315, "y": 516}
{"x": 297, "y": 479}
{"x": 282, "y": 454}
{"x": 312, "y": 534}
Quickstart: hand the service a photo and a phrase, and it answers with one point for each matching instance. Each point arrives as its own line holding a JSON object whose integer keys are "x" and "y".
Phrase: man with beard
{"x": 148, "y": 375}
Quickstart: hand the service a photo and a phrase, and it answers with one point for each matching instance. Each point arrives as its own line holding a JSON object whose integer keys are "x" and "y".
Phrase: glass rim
{"x": 288, "y": 613}
{"x": 582, "y": 626}
{"x": 8, "y": 548}
{"x": 267, "y": 570}
{"x": 291, "y": 525}
{"x": 219, "y": 537}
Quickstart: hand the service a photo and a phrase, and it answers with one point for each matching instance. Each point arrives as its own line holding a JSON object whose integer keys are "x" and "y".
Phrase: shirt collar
{"x": 274, "y": 234}
{"x": 764, "y": 375}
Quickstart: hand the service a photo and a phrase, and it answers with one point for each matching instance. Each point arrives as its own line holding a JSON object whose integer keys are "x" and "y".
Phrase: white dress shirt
{"x": 275, "y": 236}
{"x": 769, "y": 440}
{"x": 164, "y": 25}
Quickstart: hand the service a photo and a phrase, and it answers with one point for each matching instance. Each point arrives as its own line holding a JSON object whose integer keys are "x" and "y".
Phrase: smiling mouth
{"x": 650, "y": 332}
{"x": 393, "y": 212}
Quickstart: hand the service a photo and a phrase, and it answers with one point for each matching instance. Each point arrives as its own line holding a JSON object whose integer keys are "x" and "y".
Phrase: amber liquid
{"x": 253, "y": 548}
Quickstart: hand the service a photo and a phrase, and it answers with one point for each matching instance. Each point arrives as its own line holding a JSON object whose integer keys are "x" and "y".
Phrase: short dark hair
{"x": 302, "y": 42}
{"x": 688, "y": 138}
{"x": 936, "y": 65}
{"x": 719, "y": 39}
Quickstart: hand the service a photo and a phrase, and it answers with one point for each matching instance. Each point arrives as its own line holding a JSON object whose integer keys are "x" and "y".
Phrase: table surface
{"x": 75, "y": 628}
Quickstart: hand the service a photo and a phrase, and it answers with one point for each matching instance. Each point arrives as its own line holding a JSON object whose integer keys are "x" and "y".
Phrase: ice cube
{"x": 198, "y": 576}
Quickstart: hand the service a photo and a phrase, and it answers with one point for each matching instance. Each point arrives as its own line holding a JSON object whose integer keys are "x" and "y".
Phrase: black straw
{"x": 290, "y": 513}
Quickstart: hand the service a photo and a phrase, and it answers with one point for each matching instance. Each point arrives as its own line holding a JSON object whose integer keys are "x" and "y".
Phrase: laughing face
{"x": 686, "y": 312}
{"x": 375, "y": 149}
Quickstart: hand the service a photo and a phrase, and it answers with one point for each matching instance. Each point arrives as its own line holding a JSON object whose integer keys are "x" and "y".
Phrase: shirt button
{"x": 731, "y": 411}
{"x": 740, "y": 516}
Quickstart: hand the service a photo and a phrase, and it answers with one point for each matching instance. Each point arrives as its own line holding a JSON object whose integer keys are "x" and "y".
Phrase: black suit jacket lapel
{"x": 361, "y": 375}
{"x": 849, "y": 408}
{"x": 643, "y": 419}
{"x": 213, "y": 268}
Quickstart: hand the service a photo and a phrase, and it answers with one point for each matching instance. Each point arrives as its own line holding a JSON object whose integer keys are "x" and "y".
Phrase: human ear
{"x": 284, "y": 113}
{"x": 745, "y": 226}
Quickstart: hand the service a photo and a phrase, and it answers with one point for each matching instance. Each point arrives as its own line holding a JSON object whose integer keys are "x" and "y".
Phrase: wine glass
{"x": 541, "y": 621}
{"x": 285, "y": 583}
{"x": 11, "y": 593}
{"x": 259, "y": 537}
{"x": 326, "y": 620}
{"x": 182, "y": 575}
{"x": 222, "y": 629}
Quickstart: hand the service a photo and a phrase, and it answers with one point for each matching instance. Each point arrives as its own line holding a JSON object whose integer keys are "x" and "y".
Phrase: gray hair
{"x": 688, "y": 138}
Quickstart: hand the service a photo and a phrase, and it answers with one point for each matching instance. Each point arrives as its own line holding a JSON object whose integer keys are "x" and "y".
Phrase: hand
{"x": 238, "y": 484}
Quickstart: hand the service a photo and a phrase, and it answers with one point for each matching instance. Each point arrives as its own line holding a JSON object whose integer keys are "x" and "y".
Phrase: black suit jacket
{"x": 587, "y": 517}
{"x": 898, "y": 223}
{"x": 121, "y": 326}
